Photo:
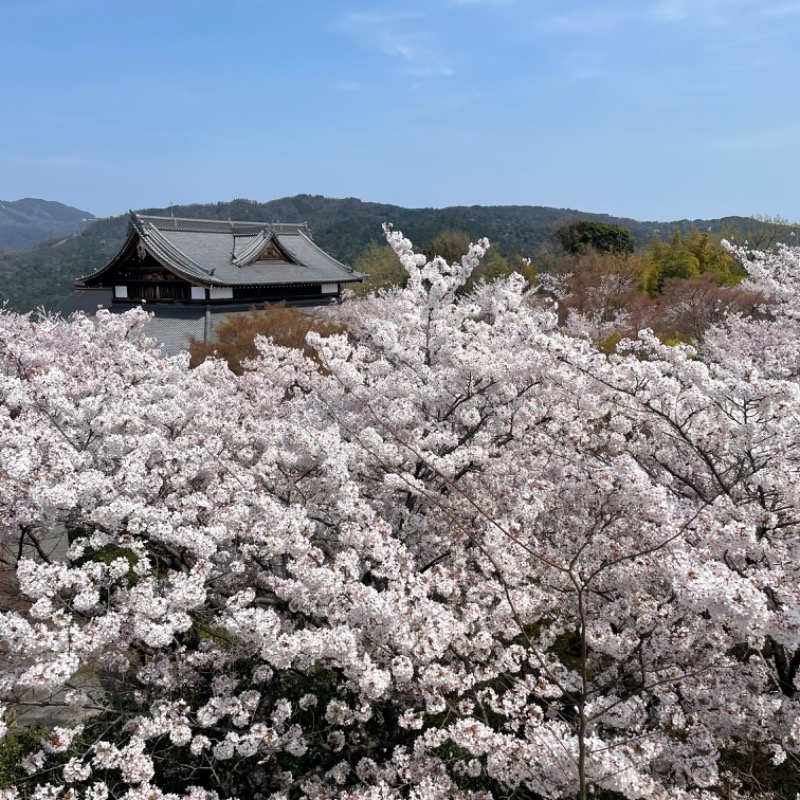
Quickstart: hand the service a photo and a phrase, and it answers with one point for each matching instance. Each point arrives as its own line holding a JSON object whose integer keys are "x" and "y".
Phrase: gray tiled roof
{"x": 87, "y": 301}
{"x": 219, "y": 253}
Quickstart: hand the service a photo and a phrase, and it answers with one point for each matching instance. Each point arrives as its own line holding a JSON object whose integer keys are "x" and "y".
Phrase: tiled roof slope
{"x": 223, "y": 253}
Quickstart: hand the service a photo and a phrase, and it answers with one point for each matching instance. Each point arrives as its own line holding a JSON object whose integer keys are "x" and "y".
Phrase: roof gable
{"x": 272, "y": 252}
{"x": 263, "y": 248}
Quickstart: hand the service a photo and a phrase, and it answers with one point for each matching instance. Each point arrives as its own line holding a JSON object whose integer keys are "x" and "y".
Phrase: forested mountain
{"x": 28, "y": 222}
{"x": 44, "y": 275}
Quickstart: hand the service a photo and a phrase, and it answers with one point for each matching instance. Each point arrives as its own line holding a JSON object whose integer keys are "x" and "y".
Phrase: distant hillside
{"x": 25, "y": 223}
{"x": 44, "y": 275}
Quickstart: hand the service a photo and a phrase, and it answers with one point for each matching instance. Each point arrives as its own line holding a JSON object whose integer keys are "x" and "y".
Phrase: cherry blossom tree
{"x": 473, "y": 556}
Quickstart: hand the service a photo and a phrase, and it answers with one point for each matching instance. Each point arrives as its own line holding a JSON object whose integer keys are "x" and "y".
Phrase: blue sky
{"x": 654, "y": 109}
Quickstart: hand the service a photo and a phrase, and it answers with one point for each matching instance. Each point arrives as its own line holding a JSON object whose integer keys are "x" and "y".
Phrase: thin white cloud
{"x": 593, "y": 19}
{"x": 671, "y": 10}
{"x": 783, "y": 10}
{"x": 483, "y": 2}
{"x": 770, "y": 139}
{"x": 348, "y": 86}
{"x": 401, "y": 36}
{"x": 584, "y": 65}
{"x": 717, "y": 13}
{"x": 587, "y": 20}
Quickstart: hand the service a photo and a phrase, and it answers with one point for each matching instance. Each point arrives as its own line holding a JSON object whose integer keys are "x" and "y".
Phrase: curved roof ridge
{"x": 100, "y": 270}
{"x": 192, "y": 223}
{"x": 161, "y": 246}
{"x": 251, "y": 252}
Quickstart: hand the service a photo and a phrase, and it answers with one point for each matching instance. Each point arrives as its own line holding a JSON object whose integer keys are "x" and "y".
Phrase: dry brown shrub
{"x": 609, "y": 288}
{"x": 687, "y": 308}
{"x": 235, "y": 338}
{"x": 602, "y": 284}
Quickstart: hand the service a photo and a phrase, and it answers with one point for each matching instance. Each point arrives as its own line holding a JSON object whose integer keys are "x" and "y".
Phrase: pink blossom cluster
{"x": 472, "y": 556}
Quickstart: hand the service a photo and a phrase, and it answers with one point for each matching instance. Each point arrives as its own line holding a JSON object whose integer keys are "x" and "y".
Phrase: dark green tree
{"x": 583, "y": 235}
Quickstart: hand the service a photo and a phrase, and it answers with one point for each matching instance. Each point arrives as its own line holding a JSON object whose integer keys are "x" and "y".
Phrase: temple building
{"x": 192, "y": 272}
{"x": 197, "y": 261}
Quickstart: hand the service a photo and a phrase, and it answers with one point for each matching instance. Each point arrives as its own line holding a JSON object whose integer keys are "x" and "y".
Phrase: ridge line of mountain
{"x": 43, "y": 275}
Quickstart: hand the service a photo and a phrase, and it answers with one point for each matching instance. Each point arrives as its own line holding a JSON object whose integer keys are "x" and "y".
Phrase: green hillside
{"x": 26, "y": 223}
{"x": 43, "y": 275}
